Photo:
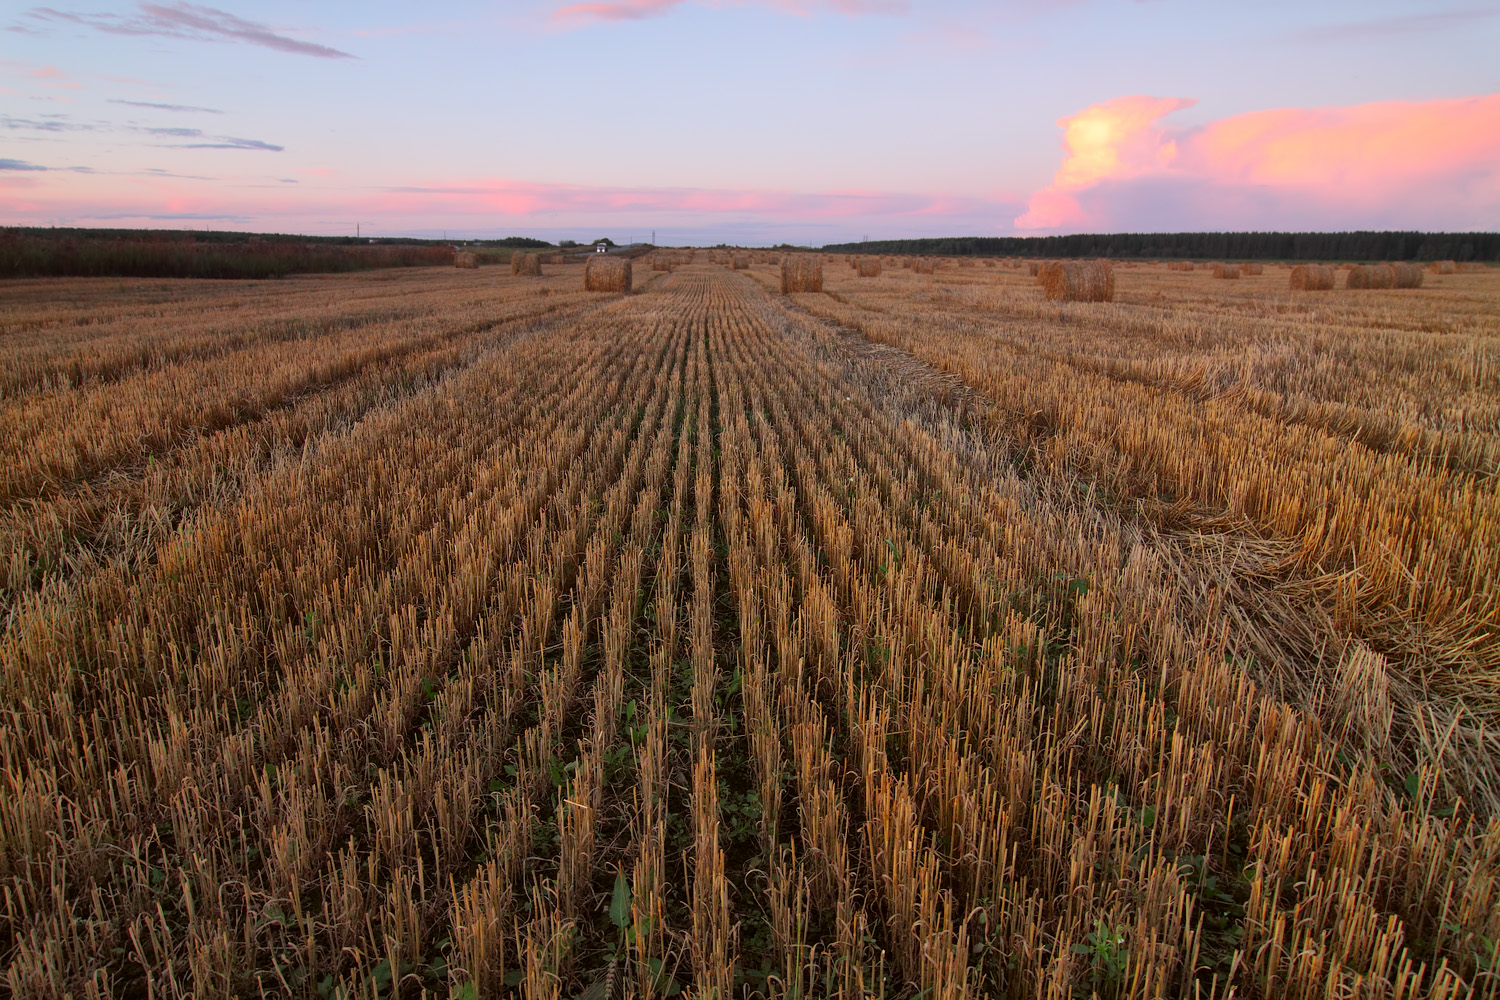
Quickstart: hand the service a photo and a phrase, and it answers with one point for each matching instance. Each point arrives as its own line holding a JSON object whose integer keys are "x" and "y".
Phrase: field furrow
{"x": 425, "y": 634}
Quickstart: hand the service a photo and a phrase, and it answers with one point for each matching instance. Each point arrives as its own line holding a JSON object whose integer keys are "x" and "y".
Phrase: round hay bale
{"x": 468, "y": 260}
{"x": 1077, "y": 280}
{"x": 739, "y": 262}
{"x": 1406, "y": 275}
{"x": 528, "y": 264}
{"x": 1226, "y": 271}
{"x": 1252, "y": 269}
{"x": 869, "y": 268}
{"x": 1311, "y": 278}
{"x": 606, "y": 274}
{"x": 922, "y": 266}
{"x": 1443, "y": 267}
{"x": 661, "y": 264}
{"x": 1033, "y": 268}
{"x": 801, "y": 272}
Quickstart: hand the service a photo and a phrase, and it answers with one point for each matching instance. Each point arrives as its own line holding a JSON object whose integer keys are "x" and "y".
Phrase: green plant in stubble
{"x": 1108, "y": 956}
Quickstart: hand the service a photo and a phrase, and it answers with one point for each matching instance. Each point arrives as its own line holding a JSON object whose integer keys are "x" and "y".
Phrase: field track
{"x": 435, "y": 632}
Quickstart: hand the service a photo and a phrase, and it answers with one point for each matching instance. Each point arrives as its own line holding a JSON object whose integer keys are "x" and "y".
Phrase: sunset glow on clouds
{"x": 1398, "y": 164}
{"x": 750, "y": 120}
{"x": 636, "y": 10}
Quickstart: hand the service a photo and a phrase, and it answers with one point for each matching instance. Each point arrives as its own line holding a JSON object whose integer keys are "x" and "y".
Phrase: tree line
{"x": 1381, "y": 246}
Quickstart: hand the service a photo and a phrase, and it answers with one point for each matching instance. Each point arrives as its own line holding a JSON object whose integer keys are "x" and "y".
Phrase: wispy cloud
{"x": 1398, "y": 26}
{"x": 618, "y": 10}
{"x": 526, "y": 198}
{"x": 159, "y": 172}
{"x": 189, "y": 21}
{"x": 46, "y": 123}
{"x": 166, "y": 107}
{"x": 174, "y": 216}
{"x": 1394, "y": 164}
{"x": 194, "y": 138}
{"x": 203, "y": 140}
{"x": 22, "y": 165}
{"x": 47, "y": 76}
{"x": 640, "y": 10}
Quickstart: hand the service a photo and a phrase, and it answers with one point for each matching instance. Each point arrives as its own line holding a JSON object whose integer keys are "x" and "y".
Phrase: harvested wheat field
{"x": 432, "y": 633}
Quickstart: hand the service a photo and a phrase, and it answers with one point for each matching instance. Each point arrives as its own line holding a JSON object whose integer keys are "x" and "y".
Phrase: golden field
{"x": 449, "y": 633}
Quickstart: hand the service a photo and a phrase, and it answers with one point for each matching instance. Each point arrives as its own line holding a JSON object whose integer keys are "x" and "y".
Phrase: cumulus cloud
{"x": 1394, "y": 164}
{"x": 190, "y": 21}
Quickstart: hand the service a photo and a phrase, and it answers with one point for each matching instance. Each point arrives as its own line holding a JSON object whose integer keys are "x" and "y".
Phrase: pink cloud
{"x": 620, "y": 10}
{"x": 512, "y": 197}
{"x": 50, "y": 76}
{"x": 496, "y": 203}
{"x": 1397, "y": 164}
{"x": 640, "y": 10}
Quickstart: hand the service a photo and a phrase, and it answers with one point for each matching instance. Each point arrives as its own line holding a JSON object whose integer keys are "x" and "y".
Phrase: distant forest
{"x": 222, "y": 237}
{"x": 1203, "y": 246}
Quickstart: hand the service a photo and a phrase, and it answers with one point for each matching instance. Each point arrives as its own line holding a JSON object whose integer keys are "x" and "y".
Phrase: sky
{"x": 750, "y": 121}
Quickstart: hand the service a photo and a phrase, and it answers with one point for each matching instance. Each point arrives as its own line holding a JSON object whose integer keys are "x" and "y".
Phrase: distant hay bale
{"x": 1226, "y": 271}
{"x": 469, "y": 260}
{"x": 989, "y": 263}
{"x": 528, "y": 264}
{"x": 1370, "y": 276}
{"x": 922, "y": 266}
{"x": 1406, "y": 275}
{"x": 739, "y": 262}
{"x": 966, "y": 262}
{"x": 1077, "y": 280}
{"x": 661, "y": 264}
{"x": 1033, "y": 268}
{"x": 1311, "y": 278}
{"x": 1471, "y": 265}
{"x": 1443, "y": 267}
{"x": 869, "y": 268}
{"x": 906, "y": 263}
{"x": 801, "y": 272}
{"x": 606, "y": 274}
{"x": 1252, "y": 269}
